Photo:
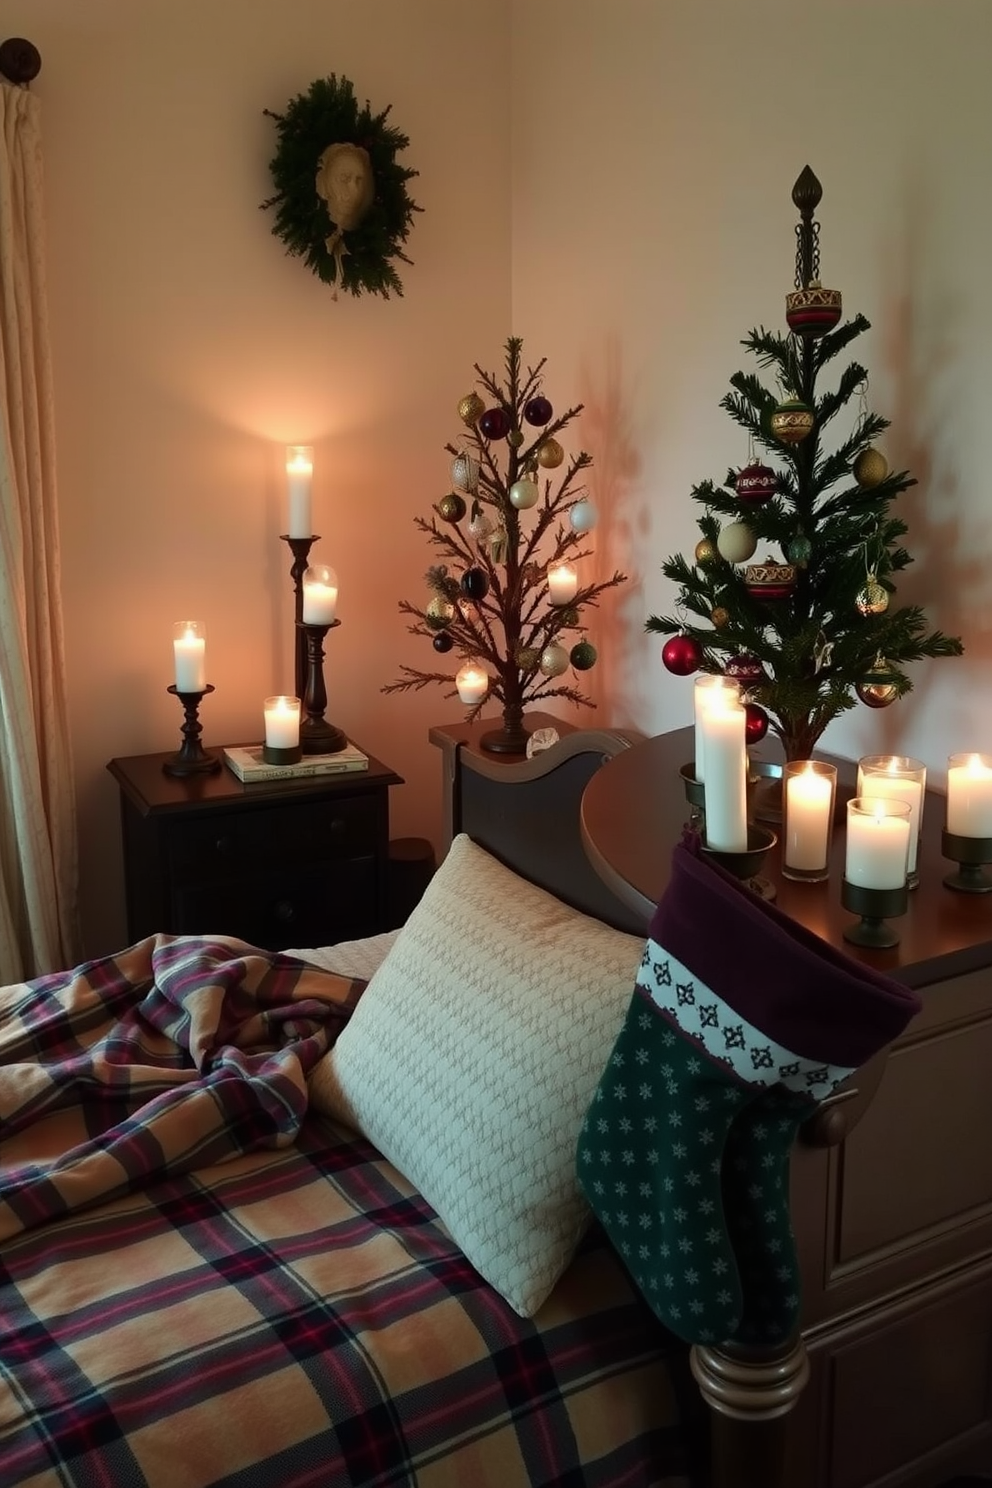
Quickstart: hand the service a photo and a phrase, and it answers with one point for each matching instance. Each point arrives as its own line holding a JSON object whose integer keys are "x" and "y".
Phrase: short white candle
{"x": 299, "y": 473}
{"x": 725, "y": 775}
{"x": 282, "y": 722}
{"x": 808, "y": 802}
{"x": 969, "y": 795}
{"x": 563, "y": 584}
{"x": 897, "y": 779}
{"x": 707, "y": 689}
{"x": 320, "y": 595}
{"x": 189, "y": 647}
{"x": 472, "y": 684}
{"x": 877, "y": 843}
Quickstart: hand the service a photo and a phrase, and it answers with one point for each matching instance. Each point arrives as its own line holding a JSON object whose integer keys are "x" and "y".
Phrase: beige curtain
{"x": 37, "y": 807}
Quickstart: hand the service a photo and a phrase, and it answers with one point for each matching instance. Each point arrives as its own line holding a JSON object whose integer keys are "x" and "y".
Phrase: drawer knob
{"x": 223, "y": 844}
{"x": 284, "y": 911}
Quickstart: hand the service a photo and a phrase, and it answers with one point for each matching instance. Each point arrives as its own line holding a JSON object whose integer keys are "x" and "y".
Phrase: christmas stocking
{"x": 736, "y": 1010}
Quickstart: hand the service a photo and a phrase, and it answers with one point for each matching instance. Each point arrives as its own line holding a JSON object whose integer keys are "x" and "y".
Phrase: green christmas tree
{"x": 809, "y": 633}
{"x": 508, "y": 597}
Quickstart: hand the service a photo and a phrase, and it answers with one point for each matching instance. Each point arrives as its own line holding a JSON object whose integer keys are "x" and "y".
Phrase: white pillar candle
{"x": 707, "y": 689}
{"x": 282, "y": 722}
{"x": 897, "y": 778}
{"x": 725, "y": 775}
{"x": 877, "y": 842}
{"x": 809, "y": 799}
{"x": 563, "y": 584}
{"x": 299, "y": 474}
{"x": 969, "y": 795}
{"x": 472, "y": 683}
{"x": 320, "y": 595}
{"x": 189, "y": 645}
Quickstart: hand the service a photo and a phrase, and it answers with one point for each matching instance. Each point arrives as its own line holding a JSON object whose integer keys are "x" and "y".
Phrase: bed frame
{"x": 890, "y": 1383}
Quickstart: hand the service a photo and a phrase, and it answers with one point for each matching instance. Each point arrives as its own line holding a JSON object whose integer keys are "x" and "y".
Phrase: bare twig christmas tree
{"x": 508, "y": 596}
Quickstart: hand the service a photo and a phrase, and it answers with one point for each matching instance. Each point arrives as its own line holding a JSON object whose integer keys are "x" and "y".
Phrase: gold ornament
{"x": 451, "y": 507}
{"x": 720, "y": 617}
{"x": 569, "y": 618}
{"x": 470, "y": 409}
{"x": 876, "y": 690}
{"x": 527, "y": 658}
{"x": 870, "y": 468}
{"x": 550, "y": 454}
{"x": 705, "y": 551}
{"x": 515, "y": 438}
{"x": 792, "y": 421}
{"x": 873, "y": 599}
{"x": 440, "y": 613}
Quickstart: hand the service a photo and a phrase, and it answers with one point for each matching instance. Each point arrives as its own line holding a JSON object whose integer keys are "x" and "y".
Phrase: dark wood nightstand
{"x": 286, "y": 863}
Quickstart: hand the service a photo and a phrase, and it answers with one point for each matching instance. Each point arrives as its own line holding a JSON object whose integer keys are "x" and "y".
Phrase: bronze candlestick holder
{"x": 971, "y": 855}
{"x": 746, "y": 863}
{"x": 191, "y": 758}
{"x": 695, "y": 794}
{"x": 874, "y": 906}
{"x": 300, "y": 549}
{"x": 317, "y": 736}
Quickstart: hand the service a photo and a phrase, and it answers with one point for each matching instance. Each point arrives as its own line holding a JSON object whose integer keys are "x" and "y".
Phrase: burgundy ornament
{"x": 494, "y": 423}
{"x": 442, "y": 641}
{"x": 747, "y": 670}
{"x": 682, "y": 655}
{"x": 538, "y": 411}
{"x": 755, "y": 723}
{"x": 756, "y": 483}
{"x": 475, "y": 583}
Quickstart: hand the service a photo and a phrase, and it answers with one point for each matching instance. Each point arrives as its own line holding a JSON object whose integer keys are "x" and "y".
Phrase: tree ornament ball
{"x": 451, "y": 507}
{"x": 465, "y": 473}
{"x": 799, "y": 550}
{"x": 736, "y": 542}
{"x": 583, "y": 656}
{"x": 569, "y": 617}
{"x": 792, "y": 421}
{"x": 876, "y": 691}
{"x": 554, "y": 660}
{"x": 873, "y": 599}
{"x": 550, "y": 454}
{"x": 527, "y": 658}
{"x": 720, "y": 617}
{"x": 755, "y": 484}
{"x": 755, "y": 723}
{"x": 705, "y": 552}
{"x": 538, "y": 411}
{"x": 442, "y": 641}
{"x": 747, "y": 670}
{"x": 515, "y": 438}
{"x": 682, "y": 655}
{"x": 870, "y": 468}
{"x": 494, "y": 423}
{"x": 583, "y": 516}
{"x": 470, "y": 409}
{"x": 480, "y": 525}
{"x": 524, "y": 494}
{"x": 439, "y": 613}
{"x": 475, "y": 583}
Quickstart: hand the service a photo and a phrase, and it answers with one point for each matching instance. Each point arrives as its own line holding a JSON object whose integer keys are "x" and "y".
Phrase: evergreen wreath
{"x": 355, "y": 252}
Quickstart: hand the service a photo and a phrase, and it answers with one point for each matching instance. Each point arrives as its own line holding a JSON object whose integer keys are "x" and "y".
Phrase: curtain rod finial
{"x": 19, "y": 60}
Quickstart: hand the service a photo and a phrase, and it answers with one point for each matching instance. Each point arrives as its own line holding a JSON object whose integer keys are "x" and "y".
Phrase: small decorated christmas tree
{"x": 508, "y": 598}
{"x": 810, "y": 629}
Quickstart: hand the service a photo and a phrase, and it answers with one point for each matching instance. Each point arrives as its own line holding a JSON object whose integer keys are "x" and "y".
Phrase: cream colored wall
{"x": 189, "y": 349}
{"x": 655, "y": 149}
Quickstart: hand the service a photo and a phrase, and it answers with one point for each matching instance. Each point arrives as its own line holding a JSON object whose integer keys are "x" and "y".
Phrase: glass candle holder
{"x": 282, "y": 730}
{"x": 808, "y": 794}
{"x": 320, "y": 594}
{"x": 709, "y": 688}
{"x": 472, "y": 683}
{"x": 189, "y": 646}
{"x": 902, "y": 779}
{"x": 877, "y": 854}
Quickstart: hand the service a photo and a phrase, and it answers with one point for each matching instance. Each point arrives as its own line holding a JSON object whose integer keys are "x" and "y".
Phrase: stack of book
{"x": 249, "y": 765}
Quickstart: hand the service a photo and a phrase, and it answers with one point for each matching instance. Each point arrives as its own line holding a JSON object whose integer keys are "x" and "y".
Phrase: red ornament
{"x": 755, "y": 723}
{"x": 682, "y": 655}
{"x": 538, "y": 411}
{"x": 747, "y": 670}
{"x": 813, "y": 310}
{"x": 494, "y": 423}
{"x": 756, "y": 483}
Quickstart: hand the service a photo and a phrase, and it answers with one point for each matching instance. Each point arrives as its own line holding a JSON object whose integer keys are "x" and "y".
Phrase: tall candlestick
{"x": 189, "y": 646}
{"x": 563, "y": 583}
{"x": 969, "y": 795}
{"x": 320, "y": 594}
{"x": 707, "y": 689}
{"x": 299, "y": 474}
{"x": 900, "y": 779}
{"x": 725, "y": 775}
{"x": 877, "y": 842}
{"x": 808, "y": 814}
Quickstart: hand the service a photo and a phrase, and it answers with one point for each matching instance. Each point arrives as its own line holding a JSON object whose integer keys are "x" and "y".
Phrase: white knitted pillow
{"x": 473, "y": 1055}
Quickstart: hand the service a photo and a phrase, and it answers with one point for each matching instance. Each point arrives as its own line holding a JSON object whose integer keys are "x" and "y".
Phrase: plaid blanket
{"x": 178, "y": 1053}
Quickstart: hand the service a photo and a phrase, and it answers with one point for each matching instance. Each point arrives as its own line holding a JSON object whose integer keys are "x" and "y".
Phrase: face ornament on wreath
{"x": 344, "y": 182}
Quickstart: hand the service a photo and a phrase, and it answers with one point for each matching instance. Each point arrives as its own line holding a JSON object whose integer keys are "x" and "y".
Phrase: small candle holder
{"x": 695, "y": 794}
{"x": 903, "y": 779}
{"x": 746, "y": 864}
{"x": 875, "y": 906}
{"x": 282, "y": 722}
{"x": 300, "y": 549}
{"x": 191, "y": 758}
{"x": 971, "y": 855}
{"x": 808, "y": 794}
{"x": 317, "y": 736}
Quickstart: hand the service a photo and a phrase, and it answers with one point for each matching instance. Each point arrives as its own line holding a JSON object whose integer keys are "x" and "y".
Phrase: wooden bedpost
{"x": 750, "y": 1397}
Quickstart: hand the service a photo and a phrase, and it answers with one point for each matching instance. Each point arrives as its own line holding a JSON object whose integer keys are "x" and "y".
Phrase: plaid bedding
{"x": 177, "y": 1053}
{"x": 299, "y": 1319}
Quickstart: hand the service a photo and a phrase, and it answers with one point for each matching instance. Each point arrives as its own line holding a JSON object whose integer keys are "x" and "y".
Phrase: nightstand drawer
{"x": 275, "y": 907}
{"x": 239, "y": 844}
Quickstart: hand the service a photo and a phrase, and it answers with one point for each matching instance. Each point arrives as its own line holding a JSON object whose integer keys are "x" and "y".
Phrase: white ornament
{"x": 480, "y": 526}
{"x": 524, "y": 494}
{"x": 583, "y": 516}
{"x": 554, "y": 660}
{"x": 465, "y": 473}
{"x": 736, "y": 543}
